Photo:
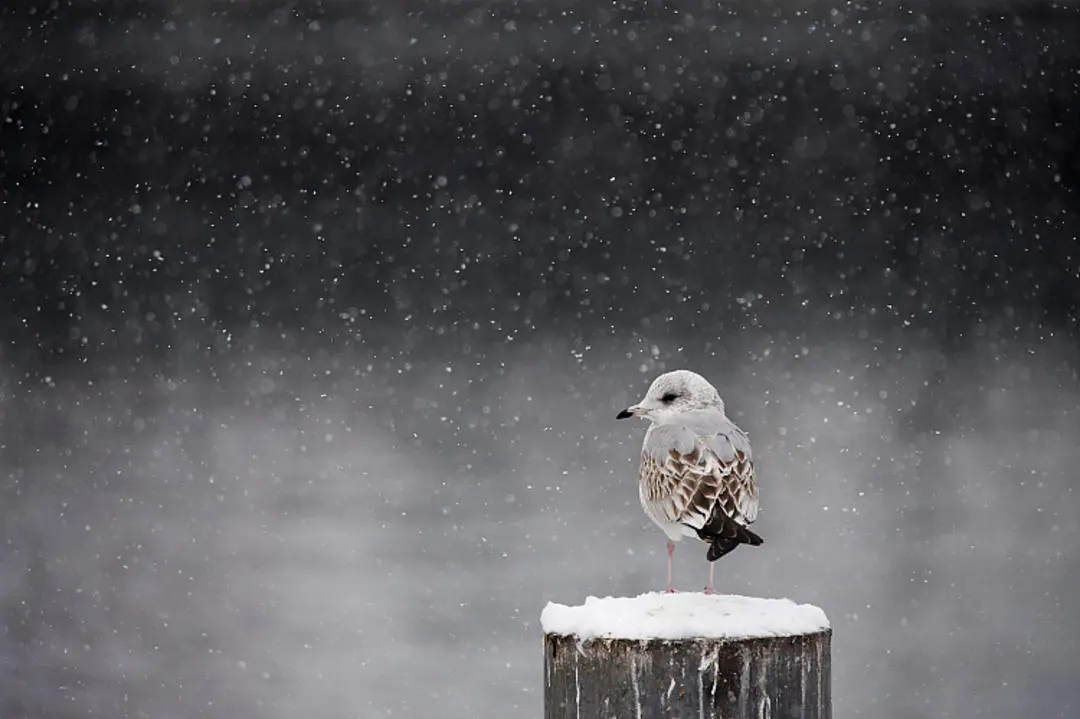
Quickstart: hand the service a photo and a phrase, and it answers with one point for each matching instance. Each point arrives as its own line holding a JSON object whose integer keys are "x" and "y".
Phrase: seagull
{"x": 697, "y": 474}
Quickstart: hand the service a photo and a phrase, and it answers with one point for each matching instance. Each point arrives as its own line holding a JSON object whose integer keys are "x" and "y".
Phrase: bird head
{"x": 672, "y": 393}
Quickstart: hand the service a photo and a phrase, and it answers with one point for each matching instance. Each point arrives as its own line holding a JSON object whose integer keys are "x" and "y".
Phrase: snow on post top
{"x": 688, "y": 615}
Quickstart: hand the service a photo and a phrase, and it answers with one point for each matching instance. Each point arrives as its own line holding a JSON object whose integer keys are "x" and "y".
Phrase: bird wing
{"x": 699, "y": 480}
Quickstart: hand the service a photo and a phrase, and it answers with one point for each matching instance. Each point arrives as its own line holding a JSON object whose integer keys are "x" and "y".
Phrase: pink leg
{"x": 670, "y": 554}
{"x": 708, "y": 587}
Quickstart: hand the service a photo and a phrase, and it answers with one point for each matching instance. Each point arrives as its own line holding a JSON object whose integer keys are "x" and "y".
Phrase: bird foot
{"x": 670, "y": 590}
{"x": 709, "y": 590}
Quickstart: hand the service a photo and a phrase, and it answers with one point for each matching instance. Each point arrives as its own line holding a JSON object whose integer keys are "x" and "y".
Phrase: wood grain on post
{"x": 590, "y": 673}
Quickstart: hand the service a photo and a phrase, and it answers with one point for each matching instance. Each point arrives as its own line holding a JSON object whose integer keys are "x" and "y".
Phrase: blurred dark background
{"x": 315, "y": 318}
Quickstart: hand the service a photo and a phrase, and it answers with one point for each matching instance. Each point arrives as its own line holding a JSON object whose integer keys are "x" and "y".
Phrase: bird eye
{"x": 668, "y": 398}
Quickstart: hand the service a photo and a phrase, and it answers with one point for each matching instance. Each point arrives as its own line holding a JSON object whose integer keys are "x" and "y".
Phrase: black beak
{"x": 625, "y": 414}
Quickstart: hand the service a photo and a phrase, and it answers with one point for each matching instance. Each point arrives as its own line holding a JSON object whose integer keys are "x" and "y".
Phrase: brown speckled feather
{"x": 700, "y": 484}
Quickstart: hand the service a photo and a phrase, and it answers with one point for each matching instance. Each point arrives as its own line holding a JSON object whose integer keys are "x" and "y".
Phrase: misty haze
{"x": 317, "y": 317}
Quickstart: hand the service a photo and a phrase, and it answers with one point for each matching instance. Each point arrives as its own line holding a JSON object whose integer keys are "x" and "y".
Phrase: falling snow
{"x": 316, "y": 316}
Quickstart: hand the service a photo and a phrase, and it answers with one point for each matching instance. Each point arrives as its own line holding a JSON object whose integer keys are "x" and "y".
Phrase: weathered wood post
{"x": 686, "y": 655}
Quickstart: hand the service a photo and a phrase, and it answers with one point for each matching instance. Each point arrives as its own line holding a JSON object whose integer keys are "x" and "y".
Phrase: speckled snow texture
{"x": 682, "y": 616}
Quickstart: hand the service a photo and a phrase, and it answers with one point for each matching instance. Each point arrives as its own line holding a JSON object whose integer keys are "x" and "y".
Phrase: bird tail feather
{"x": 721, "y": 545}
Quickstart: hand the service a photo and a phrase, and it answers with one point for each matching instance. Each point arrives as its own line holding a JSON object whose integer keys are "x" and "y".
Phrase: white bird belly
{"x": 675, "y": 531}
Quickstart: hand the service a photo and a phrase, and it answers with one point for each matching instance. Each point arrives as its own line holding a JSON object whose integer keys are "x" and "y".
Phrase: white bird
{"x": 697, "y": 472}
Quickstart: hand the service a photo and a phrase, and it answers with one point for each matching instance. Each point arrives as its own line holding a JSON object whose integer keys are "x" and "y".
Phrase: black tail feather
{"x": 730, "y": 535}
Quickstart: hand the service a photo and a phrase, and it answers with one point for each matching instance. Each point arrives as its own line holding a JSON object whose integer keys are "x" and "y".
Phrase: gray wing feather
{"x": 692, "y": 469}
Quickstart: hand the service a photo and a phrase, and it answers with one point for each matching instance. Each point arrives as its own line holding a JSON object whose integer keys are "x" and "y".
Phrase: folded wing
{"x": 704, "y": 482}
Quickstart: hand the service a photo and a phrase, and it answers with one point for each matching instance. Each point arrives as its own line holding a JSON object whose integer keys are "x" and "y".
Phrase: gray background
{"x": 317, "y": 317}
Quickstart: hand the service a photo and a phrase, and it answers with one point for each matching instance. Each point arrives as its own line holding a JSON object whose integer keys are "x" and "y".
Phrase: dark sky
{"x": 592, "y": 170}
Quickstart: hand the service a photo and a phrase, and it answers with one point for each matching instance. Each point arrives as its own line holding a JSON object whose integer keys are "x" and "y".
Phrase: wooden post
{"x": 777, "y": 675}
